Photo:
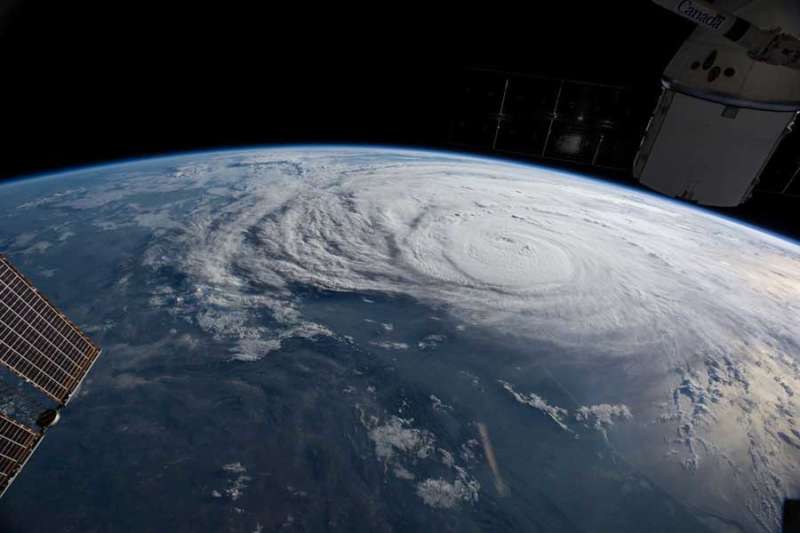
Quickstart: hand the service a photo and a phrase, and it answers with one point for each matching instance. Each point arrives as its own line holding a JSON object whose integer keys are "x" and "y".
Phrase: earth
{"x": 371, "y": 339}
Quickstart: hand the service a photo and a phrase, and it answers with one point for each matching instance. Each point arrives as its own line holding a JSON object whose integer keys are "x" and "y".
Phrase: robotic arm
{"x": 773, "y": 46}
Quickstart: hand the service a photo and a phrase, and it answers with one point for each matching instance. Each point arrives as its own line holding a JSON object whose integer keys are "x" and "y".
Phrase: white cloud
{"x": 389, "y": 345}
{"x": 556, "y": 414}
{"x": 431, "y": 341}
{"x": 439, "y": 405}
{"x": 396, "y": 436}
{"x": 602, "y": 416}
{"x": 443, "y": 494}
{"x": 236, "y": 468}
{"x": 238, "y": 482}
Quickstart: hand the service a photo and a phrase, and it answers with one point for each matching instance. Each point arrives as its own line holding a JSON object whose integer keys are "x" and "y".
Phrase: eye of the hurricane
{"x": 486, "y": 251}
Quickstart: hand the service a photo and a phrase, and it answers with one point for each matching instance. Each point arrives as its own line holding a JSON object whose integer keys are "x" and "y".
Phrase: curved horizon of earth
{"x": 357, "y": 338}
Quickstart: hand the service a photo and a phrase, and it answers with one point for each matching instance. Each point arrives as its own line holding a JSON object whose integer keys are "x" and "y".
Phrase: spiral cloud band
{"x": 529, "y": 250}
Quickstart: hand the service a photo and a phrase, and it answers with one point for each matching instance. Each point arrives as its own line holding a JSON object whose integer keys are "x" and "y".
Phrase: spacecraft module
{"x": 729, "y": 96}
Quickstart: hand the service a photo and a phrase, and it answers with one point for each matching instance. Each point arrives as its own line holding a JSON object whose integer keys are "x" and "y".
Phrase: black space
{"x": 90, "y": 82}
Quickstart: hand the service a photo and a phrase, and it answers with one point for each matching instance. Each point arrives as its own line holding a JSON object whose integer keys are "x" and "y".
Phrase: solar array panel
{"x": 17, "y": 443}
{"x": 37, "y": 342}
{"x": 539, "y": 117}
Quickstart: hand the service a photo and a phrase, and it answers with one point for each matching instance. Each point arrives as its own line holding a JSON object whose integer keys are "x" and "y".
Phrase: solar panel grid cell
{"x": 17, "y": 443}
{"x": 37, "y": 341}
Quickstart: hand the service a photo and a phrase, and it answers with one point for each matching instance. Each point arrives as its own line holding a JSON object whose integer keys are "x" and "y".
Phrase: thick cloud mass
{"x": 525, "y": 249}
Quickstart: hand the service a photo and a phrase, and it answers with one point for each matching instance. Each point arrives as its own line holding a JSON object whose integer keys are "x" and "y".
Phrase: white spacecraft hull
{"x": 722, "y": 113}
{"x": 705, "y": 151}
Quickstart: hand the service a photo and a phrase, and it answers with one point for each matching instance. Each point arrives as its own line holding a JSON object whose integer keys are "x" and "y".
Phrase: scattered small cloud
{"x": 37, "y": 248}
{"x": 397, "y": 436}
{"x": 443, "y": 494}
{"x": 438, "y": 405}
{"x": 556, "y": 414}
{"x": 388, "y": 345}
{"x": 400, "y": 446}
{"x": 602, "y": 416}
{"x": 431, "y": 341}
{"x": 237, "y": 483}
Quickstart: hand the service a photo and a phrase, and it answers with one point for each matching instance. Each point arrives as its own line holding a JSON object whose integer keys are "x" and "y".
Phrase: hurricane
{"x": 533, "y": 251}
{"x": 674, "y": 329}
